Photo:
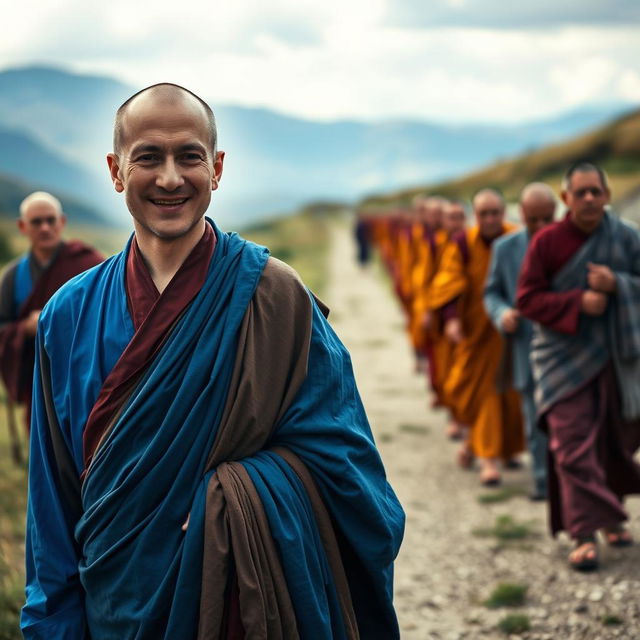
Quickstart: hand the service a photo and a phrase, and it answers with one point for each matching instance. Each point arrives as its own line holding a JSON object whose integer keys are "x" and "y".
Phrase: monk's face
{"x": 489, "y": 210}
{"x": 166, "y": 167}
{"x": 454, "y": 218}
{"x": 42, "y": 223}
{"x": 537, "y": 213}
{"x": 432, "y": 215}
{"x": 586, "y": 198}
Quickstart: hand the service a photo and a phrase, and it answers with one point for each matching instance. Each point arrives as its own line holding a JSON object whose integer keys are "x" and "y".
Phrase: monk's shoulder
{"x": 505, "y": 242}
{"x": 70, "y": 298}
{"x": 547, "y": 237}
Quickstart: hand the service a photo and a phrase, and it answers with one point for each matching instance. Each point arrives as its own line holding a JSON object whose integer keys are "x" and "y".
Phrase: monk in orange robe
{"x": 429, "y": 239}
{"x": 454, "y": 218}
{"x": 457, "y": 291}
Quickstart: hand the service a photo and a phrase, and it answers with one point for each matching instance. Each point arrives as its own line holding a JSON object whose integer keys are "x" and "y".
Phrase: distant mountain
{"x": 615, "y": 146}
{"x": 274, "y": 162}
{"x": 13, "y": 192}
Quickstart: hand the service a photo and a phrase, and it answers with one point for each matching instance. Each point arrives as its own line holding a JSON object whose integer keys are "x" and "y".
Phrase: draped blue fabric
{"x": 139, "y": 572}
{"x": 23, "y": 281}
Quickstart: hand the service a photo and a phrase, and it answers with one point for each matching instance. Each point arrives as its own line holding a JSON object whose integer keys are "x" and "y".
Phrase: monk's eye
{"x": 192, "y": 157}
{"x": 146, "y": 158}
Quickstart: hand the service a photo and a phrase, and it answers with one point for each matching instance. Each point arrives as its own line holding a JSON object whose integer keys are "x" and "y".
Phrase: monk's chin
{"x": 170, "y": 233}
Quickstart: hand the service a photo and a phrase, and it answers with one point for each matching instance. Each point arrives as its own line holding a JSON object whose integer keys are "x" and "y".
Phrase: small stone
{"x": 583, "y": 607}
{"x": 596, "y": 595}
{"x": 580, "y": 594}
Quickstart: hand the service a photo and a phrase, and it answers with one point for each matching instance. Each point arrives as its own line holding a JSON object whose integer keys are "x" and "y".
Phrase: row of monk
{"x": 537, "y": 326}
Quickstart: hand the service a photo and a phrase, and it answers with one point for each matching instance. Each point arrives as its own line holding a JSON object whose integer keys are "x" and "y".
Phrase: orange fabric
{"x": 470, "y": 385}
{"x": 425, "y": 266}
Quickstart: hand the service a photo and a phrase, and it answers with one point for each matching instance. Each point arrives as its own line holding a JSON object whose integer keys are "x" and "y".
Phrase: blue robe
{"x": 120, "y": 566}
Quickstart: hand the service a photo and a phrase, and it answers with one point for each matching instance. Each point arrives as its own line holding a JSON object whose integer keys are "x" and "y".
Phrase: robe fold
{"x": 470, "y": 388}
{"x": 246, "y": 419}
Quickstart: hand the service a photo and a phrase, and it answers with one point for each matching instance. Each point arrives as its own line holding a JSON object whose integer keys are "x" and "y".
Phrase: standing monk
{"x": 537, "y": 207}
{"x": 429, "y": 239}
{"x": 27, "y": 284}
{"x": 457, "y": 291}
{"x": 202, "y": 466}
{"x": 580, "y": 282}
{"x": 454, "y": 217}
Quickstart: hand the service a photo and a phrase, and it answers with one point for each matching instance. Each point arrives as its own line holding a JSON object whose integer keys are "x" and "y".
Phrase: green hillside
{"x": 615, "y": 146}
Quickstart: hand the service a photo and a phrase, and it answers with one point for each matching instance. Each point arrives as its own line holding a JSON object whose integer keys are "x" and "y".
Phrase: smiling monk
{"x": 201, "y": 466}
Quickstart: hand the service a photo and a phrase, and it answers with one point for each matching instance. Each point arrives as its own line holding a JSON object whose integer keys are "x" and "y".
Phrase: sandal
{"x": 585, "y": 556}
{"x": 618, "y": 537}
{"x": 454, "y": 432}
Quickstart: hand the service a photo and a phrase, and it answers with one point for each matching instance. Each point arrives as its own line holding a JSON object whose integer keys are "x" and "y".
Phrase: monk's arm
{"x": 557, "y": 310}
{"x": 496, "y": 298}
{"x": 54, "y": 597}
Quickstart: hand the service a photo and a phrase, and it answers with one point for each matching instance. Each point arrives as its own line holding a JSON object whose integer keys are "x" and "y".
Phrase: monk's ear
{"x": 564, "y": 194}
{"x": 114, "y": 170}
{"x": 22, "y": 226}
{"x": 217, "y": 170}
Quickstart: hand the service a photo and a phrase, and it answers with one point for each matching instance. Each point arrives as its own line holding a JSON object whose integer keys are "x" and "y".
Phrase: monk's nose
{"x": 169, "y": 176}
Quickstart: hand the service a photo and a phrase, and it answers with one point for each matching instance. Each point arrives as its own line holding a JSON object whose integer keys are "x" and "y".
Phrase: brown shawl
{"x": 276, "y": 330}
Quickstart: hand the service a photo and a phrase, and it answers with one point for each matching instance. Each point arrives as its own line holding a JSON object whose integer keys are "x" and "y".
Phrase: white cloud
{"x": 333, "y": 59}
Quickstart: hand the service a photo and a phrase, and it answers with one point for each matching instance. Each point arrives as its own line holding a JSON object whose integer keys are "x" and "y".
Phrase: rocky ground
{"x": 462, "y": 540}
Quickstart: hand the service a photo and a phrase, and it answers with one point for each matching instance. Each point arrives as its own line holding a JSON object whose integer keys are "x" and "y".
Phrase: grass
{"x": 301, "y": 240}
{"x": 501, "y": 495}
{"x": 514, "y": 623}
{"x": 13, "y": 489}
{"x": 611, "y": 619}
{"x": 506, "y": 529}
{"x": 507, "y": 594}
{"x": 414, "y": 428}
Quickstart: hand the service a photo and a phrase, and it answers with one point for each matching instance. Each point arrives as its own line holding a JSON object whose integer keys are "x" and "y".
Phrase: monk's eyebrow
{"x": 154, "y": 148}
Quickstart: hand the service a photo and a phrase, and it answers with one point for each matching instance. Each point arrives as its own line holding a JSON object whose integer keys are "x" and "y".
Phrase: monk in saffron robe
{"x": 27, "y": 284}
{"x": 429, "y": 241}
{"x": 580, "y": 282}
{"x": 457, "y": 291}
{"x": 201, "y": 463}
{"x": 453, "y": 222}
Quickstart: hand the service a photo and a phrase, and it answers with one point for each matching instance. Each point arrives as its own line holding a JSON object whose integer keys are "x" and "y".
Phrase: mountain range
{"x": 55, "y": 130}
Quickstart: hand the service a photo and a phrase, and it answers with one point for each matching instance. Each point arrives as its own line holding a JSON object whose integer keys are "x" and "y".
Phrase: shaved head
{"x": 537, "y": 192}
{"x": 537, "y": 206}
{"x": 40, "y": 197}
{"x": 164, "y": 93}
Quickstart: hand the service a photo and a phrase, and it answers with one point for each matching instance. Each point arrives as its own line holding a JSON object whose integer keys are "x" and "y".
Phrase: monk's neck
{"x": 45, "y": 256}
{"x": 164, "y": 257}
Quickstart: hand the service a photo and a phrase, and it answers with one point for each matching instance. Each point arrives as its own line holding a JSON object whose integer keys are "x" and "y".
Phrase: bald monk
{"x": 537, "y": 208}
{"x": 429, "y": 239}
{"x": 27, "y": 284}
{"x": 580, "y": 282}
{"x": 458, "y": 288}
{"x": 204, "y": 469}
{"x": 454, "y": 217}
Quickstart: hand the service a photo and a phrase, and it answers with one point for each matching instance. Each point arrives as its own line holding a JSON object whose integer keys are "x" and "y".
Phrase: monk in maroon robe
{"x": 28, "y": 283}
{"x": 580, "y": 282}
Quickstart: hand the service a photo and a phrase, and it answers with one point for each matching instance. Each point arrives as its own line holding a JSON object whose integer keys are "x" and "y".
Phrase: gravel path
{"x": 450, "y": 563}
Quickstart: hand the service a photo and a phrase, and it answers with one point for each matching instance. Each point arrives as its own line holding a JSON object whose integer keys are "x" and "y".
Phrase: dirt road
{"x": 453, "y": 556}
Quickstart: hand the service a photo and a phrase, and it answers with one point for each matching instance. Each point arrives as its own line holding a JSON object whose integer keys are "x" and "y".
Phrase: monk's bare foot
{"x": 465, "y": 456}
{"x": 618, "y": 537}
{"x": 454, "y": 431}
{"x": 489, "y": 474}
{"x": 585, "y": 556}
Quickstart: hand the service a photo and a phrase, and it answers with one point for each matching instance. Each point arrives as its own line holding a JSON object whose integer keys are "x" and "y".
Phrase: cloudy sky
{"x": 445, "y": 60}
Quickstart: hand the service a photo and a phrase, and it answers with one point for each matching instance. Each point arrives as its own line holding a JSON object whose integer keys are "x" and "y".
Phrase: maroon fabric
{"x": 549, "y": 250}
{"x": 17, "y": 352}
{"x": 153, "y": 314}
{"x": 233, "y": 621}
{"x": 591, "y": 450}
